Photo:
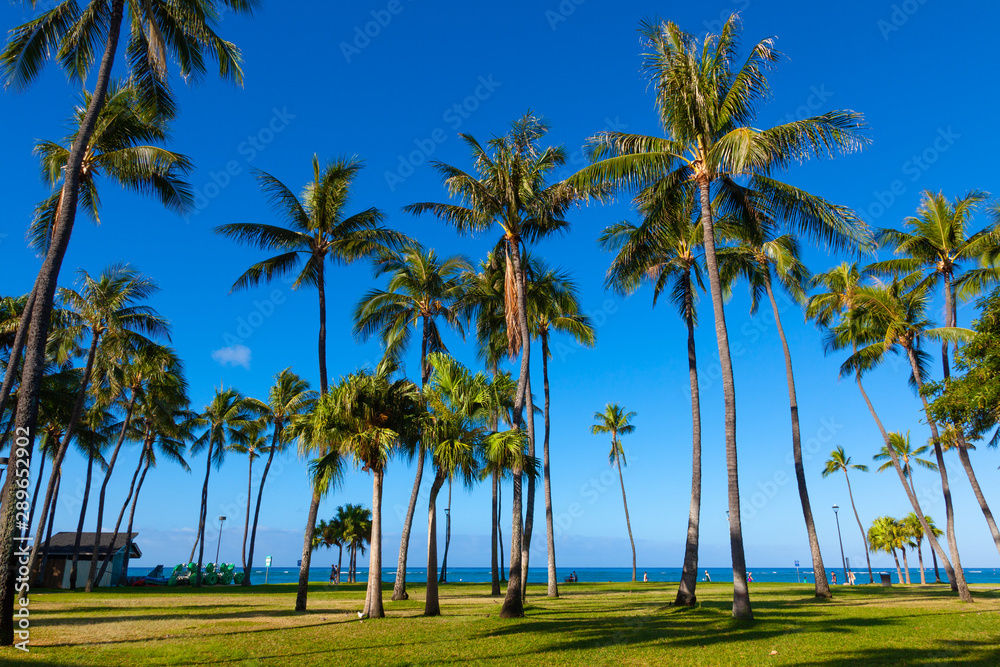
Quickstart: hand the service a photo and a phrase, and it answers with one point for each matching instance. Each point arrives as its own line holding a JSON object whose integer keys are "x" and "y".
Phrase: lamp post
{"x": 222, "y": 522}
{"x": 841, "y": 539}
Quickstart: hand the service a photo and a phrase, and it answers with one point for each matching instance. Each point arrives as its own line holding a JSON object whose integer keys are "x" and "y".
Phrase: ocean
{"x": 539, "y": 575}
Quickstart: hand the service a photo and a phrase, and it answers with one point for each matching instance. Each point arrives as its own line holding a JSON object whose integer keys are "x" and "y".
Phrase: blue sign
{"x": 796, "y": 563}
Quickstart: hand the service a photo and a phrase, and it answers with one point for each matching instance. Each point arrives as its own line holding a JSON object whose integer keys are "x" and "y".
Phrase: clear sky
{"x": 315, "y": 83}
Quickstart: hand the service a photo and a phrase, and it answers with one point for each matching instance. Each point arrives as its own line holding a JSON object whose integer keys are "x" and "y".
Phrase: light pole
{"x": 841, "y": 539}
{"x": 222, "y": 522}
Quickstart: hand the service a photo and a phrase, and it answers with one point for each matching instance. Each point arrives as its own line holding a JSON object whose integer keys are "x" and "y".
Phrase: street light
{"x": 842, "y": 559}
{"x": 222, "y": 522}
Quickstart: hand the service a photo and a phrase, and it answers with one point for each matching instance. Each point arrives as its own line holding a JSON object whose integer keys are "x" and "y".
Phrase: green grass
{"x": 591, "y": 624}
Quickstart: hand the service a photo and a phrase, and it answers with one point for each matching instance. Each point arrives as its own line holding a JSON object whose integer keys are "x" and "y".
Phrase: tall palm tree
{"x": 422, "y": 290}
{"x": 553, "y": 307}
{"x": 616, "y": 421}
{"x": 840, "y": 301}
{"x": 895, "y": 317}
{"x": 288, "y": 397}
{"x": 252, "y": 445}
{"x": 92, "y": 439}
{"x": 157, "y": 30}
{"x": 664, "y": 250}
{"x": 707, "y": 104}
{"x": 225, "y": 420}
{"x": 458, "y": 402}
{"x": 498, "y": 465}
{"x": 372, "y": 416}
{"x": 761, "y": 259}
{"x": 109, "y": 310}
{"x": 937, "y": 239}
{"x": 509, "y": 191}
{"x": 318, "y": 230}
{"x": 840, "y": 461}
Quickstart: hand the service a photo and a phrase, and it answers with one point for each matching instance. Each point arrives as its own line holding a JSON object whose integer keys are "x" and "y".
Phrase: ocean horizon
{"x": 539, "y": 575}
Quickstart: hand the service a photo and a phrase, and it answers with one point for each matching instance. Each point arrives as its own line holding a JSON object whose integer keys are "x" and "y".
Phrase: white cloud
{"x": 234, "y": 355}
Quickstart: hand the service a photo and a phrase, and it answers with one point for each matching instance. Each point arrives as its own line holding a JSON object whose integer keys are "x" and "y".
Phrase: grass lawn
{"x": 591, "y": 624}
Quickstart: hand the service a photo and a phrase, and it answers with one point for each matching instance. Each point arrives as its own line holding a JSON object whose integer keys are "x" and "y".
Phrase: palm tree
{"x": 885, "y": 535}
{"x": 510, "y": 191}
{"x": 841, "y": 300}
{"x": 458, "y": 403}
{"x": 252, "y": 445}
{"x": 915, "y": 531}
{"x": 225, "y": 420}
{"x": 92, "y": 439}
{"x": 357, "y": 522}
{"x": 895, "y": 317}
{"x": 553, "y": 307}
{"x": 318, "y": 230}
{"x": 664, "y": 249}
{"x": 616, "y": 421}
{"x": 937, "y": 239}
{"x": 289, "y": 397}
{"x": 498, "y": 465}
{"x": 707, "y": 108}
{"x": 156, "y": 28}
{"x": 372, "y": 416}
{"x": 908, "y": 456}
{"x": 840, "y": 461}
{"x": 108, "y": 310}
{"x": 422, "y": 289}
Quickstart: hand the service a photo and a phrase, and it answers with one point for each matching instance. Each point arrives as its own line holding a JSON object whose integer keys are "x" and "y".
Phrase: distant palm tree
{"x": 885, "y": 535}
{"x": 372, "y": 416}
{"x": 422, "y": 290}
{"x": 707, "y": 104}
{"x": 252, "y": 445}
{"x": 289, "y": 397}
{"x": 357, "y": 522}
{"x": 915, "y": 531}
{"x": 92, "y": 439}
{"x": 458, "y": 402}
{"x": 908, "y": 457}
{"x": 225, "y": 421}
{"x": 664, "y": 250}
{"x": 839, "y": 460}
{"x": 616, "y": 421}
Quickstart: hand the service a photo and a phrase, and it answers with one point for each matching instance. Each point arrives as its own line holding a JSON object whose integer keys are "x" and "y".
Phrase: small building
{"x": 60, "y": 558}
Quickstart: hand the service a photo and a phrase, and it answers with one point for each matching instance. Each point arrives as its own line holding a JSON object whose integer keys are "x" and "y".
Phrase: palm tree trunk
{"x": 447, "y": 538}
{"x": 321, "y": 288}
{"x": 741, "y": 591}
{"x": 104, "y": 487}
{"x": 52, "y": 517}
{"x": 906, "y": 566}
{"x": 260, "y": 494}
{"x": 373, "y": 597}
{"x": 959, "y": 579}
{"x": 935, "y": 545}
{"x": 689, "y": 574}
{"x": 63, "y": 446}
{"x": 431, "y": 604}
{"x": 45, "y": 287}
{"x": 513, "y": 605}
{"x": 340, "y": 560}
{"x": 963, "y": 456}
{"x": 819, "y": 571}
{"x": 83, "y": 514}
{"x": 550, "y": 535}
{"x": 529, "y": 512}
{"x": 399, "y": 588}
{"x": 899, "y": 572}
{"x": 920, "y": 558}
{"x": 246, "y": 521}
{"x": 864, "y": 537}
{"x": 494, "y": 566}
{"x": 131, "y": 518}
{"x": 302, "y": 592}
{"x": 121, "y": 514}
{"x": 503, "y": 573}
{"x": 38, "y": 487}
{"x": 937, "y": 573}
{"x": 204, "y": 513}
{"x": 628, "y": 524}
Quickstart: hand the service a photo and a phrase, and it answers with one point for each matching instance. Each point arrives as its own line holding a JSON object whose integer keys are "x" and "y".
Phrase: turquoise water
{"x": 290, "y": 574}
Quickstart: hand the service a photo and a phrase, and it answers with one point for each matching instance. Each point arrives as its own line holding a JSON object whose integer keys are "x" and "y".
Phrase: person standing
{"x": 645, "y": 577}
{"x": 707, "y": 577}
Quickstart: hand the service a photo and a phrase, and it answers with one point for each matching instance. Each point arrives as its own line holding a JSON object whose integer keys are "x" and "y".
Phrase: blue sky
{"x": 316, "y": 83}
